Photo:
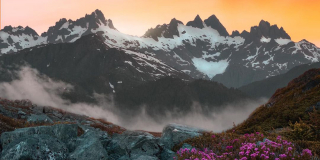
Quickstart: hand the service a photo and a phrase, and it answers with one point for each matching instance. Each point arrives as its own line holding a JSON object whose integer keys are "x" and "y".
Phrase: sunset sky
{"x": 300, "y": 18}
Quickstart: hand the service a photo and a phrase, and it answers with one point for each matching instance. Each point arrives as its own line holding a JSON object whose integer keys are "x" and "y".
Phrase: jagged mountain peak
{"x": 97, "y": 16}
{"x": 68, "y": 30}
{"x": 197, "y": 22}
{"x": 20, "y": 30}
{"x": 174, "y": 22}
{"x": 265, "y": 30}
{"x": 304, "y": 41}
{"x": 235, "y": 33}
{"x": 264, "y": 24}
{"x": 110, "y": 24}
{"x": 165, "y": 30}
{"x": 214, "y": 23}
{"x": 197, "y": 17}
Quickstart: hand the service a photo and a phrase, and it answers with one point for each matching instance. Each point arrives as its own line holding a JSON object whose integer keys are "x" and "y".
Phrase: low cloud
{"x": 44, "y": 91}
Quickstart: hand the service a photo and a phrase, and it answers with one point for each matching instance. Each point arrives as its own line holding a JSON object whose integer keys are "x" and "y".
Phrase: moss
{"x": 9, "y": 124}
{"x": 107, "y": 126}
{"x": 287, "y": 104}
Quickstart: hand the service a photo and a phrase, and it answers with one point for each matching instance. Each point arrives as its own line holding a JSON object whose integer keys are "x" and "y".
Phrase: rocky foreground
{"x": 32, "y": 132}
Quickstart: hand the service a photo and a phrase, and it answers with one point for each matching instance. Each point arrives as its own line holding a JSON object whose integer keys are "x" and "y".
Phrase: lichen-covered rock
{"x": 186, "y": 145}
{"x": 35, "y": 147}
{"x": 63, "y": 132}
{"x": 174, "y": 134}
{"x": 167, "y": 154}
{"x": 89, "y": 147}
{"x": 21, "y": 113}
{"x": 115, "y": 151}
{"x": 143, "y": 157}
{"x": 39, "y": 119}
{"x": 133, "y": 143}
{"x": 102, "y": 135}
{"x": 8, "y": 137}
{"x": 126, "y": 157}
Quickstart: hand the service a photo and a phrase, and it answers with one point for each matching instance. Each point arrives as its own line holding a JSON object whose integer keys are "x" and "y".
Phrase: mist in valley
{"x": 44, "y": 91}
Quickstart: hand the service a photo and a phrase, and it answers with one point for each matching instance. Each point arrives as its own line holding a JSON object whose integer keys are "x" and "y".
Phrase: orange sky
{"x": 300, "y": 18}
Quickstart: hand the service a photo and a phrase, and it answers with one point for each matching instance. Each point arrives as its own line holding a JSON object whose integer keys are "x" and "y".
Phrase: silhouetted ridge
{"x": 197, "y": 22}
{"x": 214, "y": 23}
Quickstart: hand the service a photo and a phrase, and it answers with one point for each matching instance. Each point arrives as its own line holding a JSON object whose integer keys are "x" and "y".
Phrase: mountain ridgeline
{"x": 201, "y": 48}
{"x": 266, "y": 88}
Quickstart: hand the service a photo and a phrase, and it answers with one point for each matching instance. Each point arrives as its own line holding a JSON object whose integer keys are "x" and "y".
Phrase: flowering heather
{"x": 245, "y": 147}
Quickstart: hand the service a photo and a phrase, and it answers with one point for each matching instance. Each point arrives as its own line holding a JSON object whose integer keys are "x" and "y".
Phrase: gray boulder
{"x": 186, "y": 145}
{"x": 21, "y": 113}
{"x": 126, "y": 157}
{"x": 35, "y": 147}
{"x": 133, "y": 143}
{"x": 102, "y": 135}
{"x": 167, "y": 154}
{"x": 174, "y": 134}
{"x": 8, "y": 137}
{"x": 143, "y": 157}
{"x": 89, "y": 147}
{"x": 39, "y": 119}
{"x": 115, "y": 151}
{"x": 63, "y": 132}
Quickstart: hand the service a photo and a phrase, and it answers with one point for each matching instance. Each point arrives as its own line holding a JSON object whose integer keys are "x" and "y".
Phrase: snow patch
{"x": 265, "y": 40}
{"x": 65, "y": 25}
{"x": 112, "y": 86}
{"x": 129, "y": 62}
{"x": 282, "y": 42}
{"x": 210, "y": 68}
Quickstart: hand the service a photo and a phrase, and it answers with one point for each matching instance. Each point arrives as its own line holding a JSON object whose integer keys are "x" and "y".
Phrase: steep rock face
{"x": 90, "y": 65}
{"x": 235, "y": 33}
{"x": 196, "y": 23}
{"x": 63, "y": 29}
{"x": 200, "y": 49}
{"x": 13, "y": 39}
{"x": 214, "y": 23}
{"x": 267, "y": 31}
{"x": 269, "y": 57}
{"x": 20, "y": 30}
{"x": 165, "y": 30}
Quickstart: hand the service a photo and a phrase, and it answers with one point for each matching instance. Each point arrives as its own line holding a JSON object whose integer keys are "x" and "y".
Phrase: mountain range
{"x": 202, "y": 49}
{"x": 134, "y": 80}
